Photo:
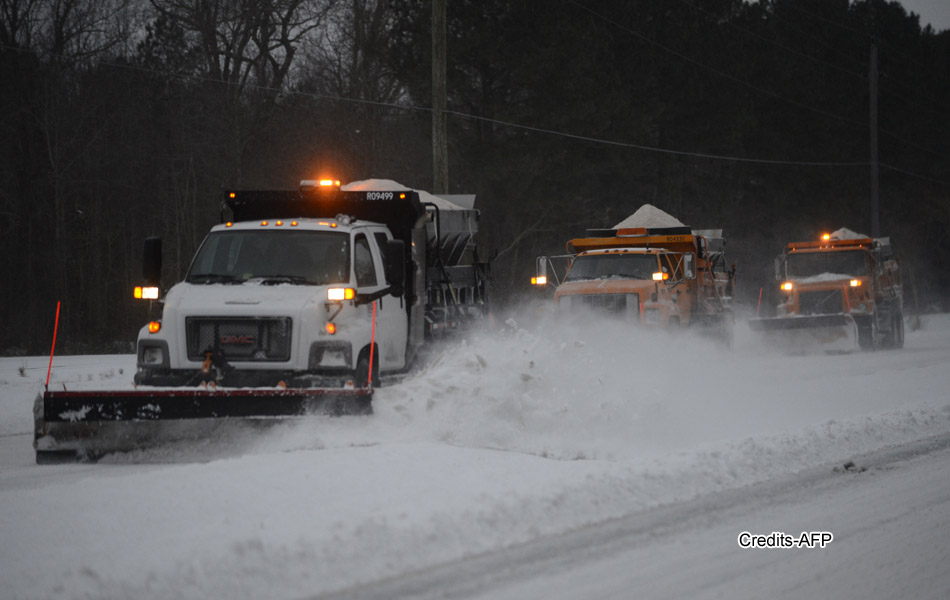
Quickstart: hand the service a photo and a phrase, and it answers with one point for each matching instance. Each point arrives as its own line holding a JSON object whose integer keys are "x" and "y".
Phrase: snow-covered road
{"x": 888, "y": 515}
{"x": 506, "y": 439}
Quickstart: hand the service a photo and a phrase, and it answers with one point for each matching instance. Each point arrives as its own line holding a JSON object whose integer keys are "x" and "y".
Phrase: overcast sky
{"x": 934, "y": 12}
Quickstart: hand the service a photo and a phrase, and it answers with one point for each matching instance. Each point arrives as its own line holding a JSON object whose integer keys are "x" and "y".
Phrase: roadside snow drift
{"x": 515, "y": 433}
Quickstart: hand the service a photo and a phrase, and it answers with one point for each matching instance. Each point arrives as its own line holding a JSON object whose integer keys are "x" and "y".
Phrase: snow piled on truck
{"x": 388, "y": 185}
{"x": 649, "y": 216}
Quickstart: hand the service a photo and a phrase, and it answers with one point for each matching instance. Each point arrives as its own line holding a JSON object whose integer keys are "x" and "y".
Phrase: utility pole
{"x": 875, "y": 181}
{"x": 440, "y": 138}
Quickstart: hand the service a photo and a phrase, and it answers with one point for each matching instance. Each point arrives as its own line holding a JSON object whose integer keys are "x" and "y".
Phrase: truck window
{"x": 610, "y": 266}
{"x": 363, "y": 262}
{"x": 832, "y": 262}
{"x": 299, "y": 256}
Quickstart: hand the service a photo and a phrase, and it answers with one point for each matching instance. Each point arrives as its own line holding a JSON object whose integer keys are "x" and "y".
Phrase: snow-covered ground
{"x": 513, "y": 435}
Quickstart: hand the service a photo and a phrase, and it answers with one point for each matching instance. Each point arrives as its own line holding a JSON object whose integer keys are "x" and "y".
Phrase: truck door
{"x": 391, "y": 320}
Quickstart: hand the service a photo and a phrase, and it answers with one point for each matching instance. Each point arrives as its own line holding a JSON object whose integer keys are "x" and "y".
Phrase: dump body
{"x": 837, "y": 294}
{"x": 660, "y": 277}
{"x": 296, "y": 303}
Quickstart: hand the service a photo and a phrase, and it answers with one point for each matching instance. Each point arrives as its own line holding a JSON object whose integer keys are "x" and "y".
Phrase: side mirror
{"x": 688, "y": 267}
{"x": 778, "y": 268}
{"x": 152, "y": 261}
{"x": 395, "y": 265}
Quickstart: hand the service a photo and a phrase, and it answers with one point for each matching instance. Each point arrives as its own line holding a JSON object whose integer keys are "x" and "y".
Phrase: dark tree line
{"x": 123, "y": 119}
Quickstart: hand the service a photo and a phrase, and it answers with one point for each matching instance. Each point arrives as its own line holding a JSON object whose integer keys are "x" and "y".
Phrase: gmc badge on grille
{"x": 242, "y": 340}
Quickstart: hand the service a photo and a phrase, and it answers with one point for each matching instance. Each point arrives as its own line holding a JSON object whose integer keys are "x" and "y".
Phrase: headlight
{"x": 336, "y": 294}
{"x": 651, "y": 316}
{"x": 153, "y": 355}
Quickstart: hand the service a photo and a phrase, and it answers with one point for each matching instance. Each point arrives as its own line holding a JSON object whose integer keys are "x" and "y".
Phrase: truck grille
{"x": 612, "y": 304}
{"x": 823, "y": 302}
{"x": 239, "y": 339}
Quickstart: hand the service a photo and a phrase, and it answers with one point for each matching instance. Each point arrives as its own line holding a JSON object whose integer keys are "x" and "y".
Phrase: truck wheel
{"x": 56, "y": 457}
{"x": 361, "y": 374}
{"x": 898, "y": 330}
{"x": 866, "y": 334}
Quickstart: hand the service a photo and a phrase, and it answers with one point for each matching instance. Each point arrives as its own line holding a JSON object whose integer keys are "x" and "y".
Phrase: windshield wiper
{"x": 273, "y": 279}
{"x": 213, "y": 278}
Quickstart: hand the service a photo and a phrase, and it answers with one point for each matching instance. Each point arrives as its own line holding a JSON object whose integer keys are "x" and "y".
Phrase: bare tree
{"x": 246, "y": 42}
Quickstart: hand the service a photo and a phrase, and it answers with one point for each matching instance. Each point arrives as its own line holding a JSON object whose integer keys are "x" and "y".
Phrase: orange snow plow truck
{"x": 838, "y": 294}
{"x": 663, "y": 275}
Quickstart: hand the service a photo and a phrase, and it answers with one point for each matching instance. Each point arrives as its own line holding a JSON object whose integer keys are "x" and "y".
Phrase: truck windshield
{"x": 835, "y": 262}
{"x": 610, "y": 266}
{"x": 289, "y": 256}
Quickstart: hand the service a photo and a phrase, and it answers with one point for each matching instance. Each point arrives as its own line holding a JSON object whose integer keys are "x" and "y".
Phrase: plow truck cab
{"x": 840, "y": 293}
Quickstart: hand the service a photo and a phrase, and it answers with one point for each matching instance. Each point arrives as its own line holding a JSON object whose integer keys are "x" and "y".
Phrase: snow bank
{"x": 516, "y": 433}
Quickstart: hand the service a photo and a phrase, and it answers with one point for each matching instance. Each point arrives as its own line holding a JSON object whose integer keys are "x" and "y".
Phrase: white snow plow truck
{"x": 838, "y": 294}
{"x": 296, "y": 303}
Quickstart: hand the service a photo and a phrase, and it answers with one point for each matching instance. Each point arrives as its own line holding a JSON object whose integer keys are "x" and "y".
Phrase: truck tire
{"x": 56, "y": 457}
{"x": 865, "y": 333}
{"x": 897, "y": 330}
{"x": 361, "y": 374}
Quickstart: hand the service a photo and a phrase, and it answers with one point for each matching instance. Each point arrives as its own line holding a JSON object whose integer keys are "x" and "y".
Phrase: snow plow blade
{"x": 88, "y": 424}
{"x": 813, "y": 333}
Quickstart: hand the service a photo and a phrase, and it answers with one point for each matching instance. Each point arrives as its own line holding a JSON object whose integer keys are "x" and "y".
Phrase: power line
{"x": 748, "y": 84}
{"x": 807, "y": 163}
{"x": 915, "y": 175}
{"x": 415, "y": 108}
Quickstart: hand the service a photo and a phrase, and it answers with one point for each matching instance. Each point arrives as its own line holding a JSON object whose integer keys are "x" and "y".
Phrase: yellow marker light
{"x": 825, "y": 237}
{"x": 293, "y": 223}
{"x": 402, "y": 196}
{"x": 154, "y": 326}
{"x": 660, "y": 276}
{"x": 855, "y": 283}
{"x": 279, "y": 223}
{"x": 341, "y": 294}
{"x": 228, "y": 224}
{"x": 330, "y": 328}
{"x": 232, "y": 195}
{"x": 329, "y": 183}
{"x": 145, "y": 293}
{"x": 540, "y": 280}
{"x": 263, "y": 223}
{"x": 787, "y": 286}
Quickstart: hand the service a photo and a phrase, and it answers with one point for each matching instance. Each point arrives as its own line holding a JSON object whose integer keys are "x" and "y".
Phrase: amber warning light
{"x": 341, "y": 294}
{"x": 539, "y": 280}
{"x": 145, "y": 293}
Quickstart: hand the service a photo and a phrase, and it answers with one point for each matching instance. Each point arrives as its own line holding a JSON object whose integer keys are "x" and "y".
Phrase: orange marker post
{"x": 53, "y": 349}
